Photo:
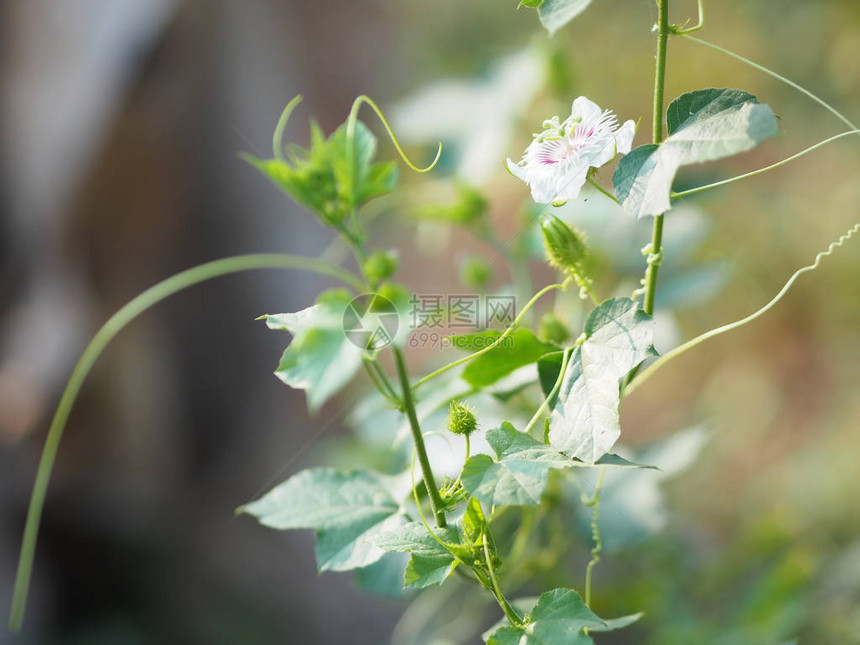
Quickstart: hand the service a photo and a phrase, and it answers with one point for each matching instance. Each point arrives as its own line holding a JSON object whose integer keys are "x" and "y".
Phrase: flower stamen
{"x": 555, "y": 165}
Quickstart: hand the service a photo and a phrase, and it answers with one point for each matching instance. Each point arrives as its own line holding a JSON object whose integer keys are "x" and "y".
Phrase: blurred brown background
{"x": 119, "y": 126}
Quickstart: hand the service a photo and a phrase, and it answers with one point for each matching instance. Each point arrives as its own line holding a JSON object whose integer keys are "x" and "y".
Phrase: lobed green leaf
{"x": 614, "y": 624}
{"x": 519, "y": 474}
{"x": 585, "y": 422}
{"x": 347, "y": 510}
{"x": 320, "y": 359}
{"x": 519, "y": 349}
{"x": 430, "y": 563}
{"x": 322, "y": 178}
{"x": 704, "y": 125}
{"x": 555, "y": 14}
{"x": 558, "y": 618}
{"x": 385, "y": 576}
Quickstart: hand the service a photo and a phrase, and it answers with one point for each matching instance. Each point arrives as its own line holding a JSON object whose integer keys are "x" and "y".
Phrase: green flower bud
{"x": 475, "y": 272}
{"x": 564, "y": 246}
{"x": 461, "y": 418}
{"x": 380, "y": 266}
{"x": 551, "y": 329}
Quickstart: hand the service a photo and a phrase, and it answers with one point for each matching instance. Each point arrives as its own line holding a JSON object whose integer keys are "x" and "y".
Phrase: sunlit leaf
{"x": 520, "y": 472}
{"x": 320, "y": 359}
{"x": 474, "y": 522}
{"x": 368, "y": 180}
{"x": 549, "y": 366}
{"x": 555, "y": 14}
{"x": 385, "y": 576}
{"x": 585, "y": 421}
{"x": 704, "y": 125}
{"x": 347, "y": 510}
{"x": 558, "y": 618}
{"x": 319, "y": 177}
{"x": 430, "y": 562}
{"x": 711, "y": 124}
{"x": 521, "y": 348}
{"x": 643, "y": 180}
{"x": 613, "y": 624}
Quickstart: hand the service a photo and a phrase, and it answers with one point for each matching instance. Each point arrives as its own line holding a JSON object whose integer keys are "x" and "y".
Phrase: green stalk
{"x": 544, "y": 407}
{"x": 663, "y": 31}
{"x": 594, "y": 503}
{"x": 511, "y": 613}
{"x": 660, "y": 71}
{"x": 111, "y": 328}
{"x": 596, "y": 185}
{"x": 383, "y": 378}
{"x": 654, "y": 259}
{"x": 409, "y": 406}
{"x": 680, "y": 31}
{"x": 391, "y": 397}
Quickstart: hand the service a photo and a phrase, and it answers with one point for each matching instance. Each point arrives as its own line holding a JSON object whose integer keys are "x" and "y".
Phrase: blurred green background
{"x": 120, "y": 121}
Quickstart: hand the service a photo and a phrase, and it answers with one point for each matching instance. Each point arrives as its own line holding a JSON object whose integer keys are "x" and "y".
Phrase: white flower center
{"x": 574, "y": 138}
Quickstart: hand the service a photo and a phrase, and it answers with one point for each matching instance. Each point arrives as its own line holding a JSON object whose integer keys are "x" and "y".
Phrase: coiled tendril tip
{"x": 350, "y": 133}
{"x": 278, "y": 138}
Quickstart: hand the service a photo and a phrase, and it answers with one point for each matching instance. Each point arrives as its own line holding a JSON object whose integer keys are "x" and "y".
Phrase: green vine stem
{"x": 426, "y": 470}
{"x": 508, "y": 610}
{"x": 372, "y": 369}
{"x": 585, "y": 288}
{"x": 600, "y": 189}
{"x": 663, "y": 31}
{"x": 111, "y": 328}
{"x": 488, "y": 581}
{"x": 544, "y": 407}
{"x": 690, "y": 344}
{"x": 594, "y": 503}
{"x": 423, "y": 518}
{"x": 383, "y": 377}
{"x": 682, "y": 31}
{"x": 656, "y": 246}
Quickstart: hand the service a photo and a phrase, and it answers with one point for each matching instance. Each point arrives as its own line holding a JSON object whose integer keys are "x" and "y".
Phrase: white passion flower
{"x": 555, "y": 165}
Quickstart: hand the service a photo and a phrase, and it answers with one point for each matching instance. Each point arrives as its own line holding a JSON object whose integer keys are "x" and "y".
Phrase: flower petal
{"x": 570, "y": 184}
{"x": 586, "y": 109}
{"x": 555, "y": 165}
{"x": 517, "y": 170}
{"x": 624, "y": 137}
{"x": 602, "y": 152}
